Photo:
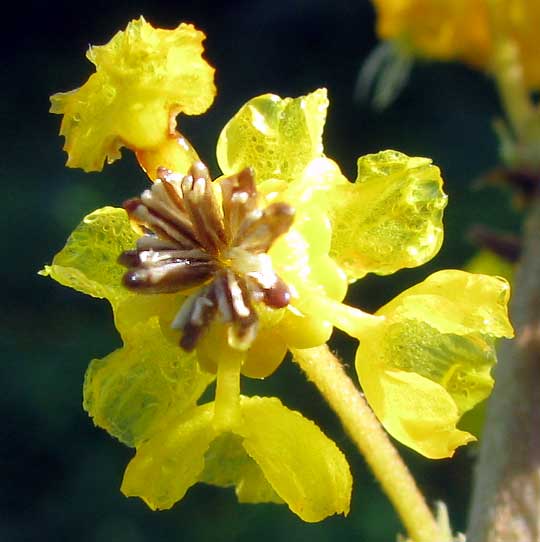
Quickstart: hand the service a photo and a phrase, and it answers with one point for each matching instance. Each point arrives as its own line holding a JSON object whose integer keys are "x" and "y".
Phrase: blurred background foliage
{"x": 60, "y": 475}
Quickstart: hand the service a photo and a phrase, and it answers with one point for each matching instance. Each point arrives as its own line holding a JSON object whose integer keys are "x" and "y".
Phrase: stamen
{"x": 259, "y": 235}
{"x": 169, "y": 276}
{"x": 193, "y": 237}
{"x": 239, "y": 200}
{"x": 202, "y": 207}
{"x": 171, "y": 209}
{"x": 139, "y": 212}
{"x": 195, "y": 316}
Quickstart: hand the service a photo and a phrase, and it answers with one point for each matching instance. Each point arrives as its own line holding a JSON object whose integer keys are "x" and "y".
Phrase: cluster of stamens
{"x": 213, "y": 236}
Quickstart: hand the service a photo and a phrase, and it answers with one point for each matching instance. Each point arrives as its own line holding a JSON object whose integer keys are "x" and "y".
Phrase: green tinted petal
{"x": 277, "y": 137}
{"x": 459, "y": 363}
{"x": 137, "y": 308}
{"x": 437, "y": 336}
{"x": 455, "y": 301}
{"x": 168, "y": 464}
{"x": 390, "y": 218}
{"x": 305, "y": 468}
{"x": 88, "y": 262}
{"x": 227, "y": 464}
{"x": 133, "y": 391}
{"x": 416, "y": 411}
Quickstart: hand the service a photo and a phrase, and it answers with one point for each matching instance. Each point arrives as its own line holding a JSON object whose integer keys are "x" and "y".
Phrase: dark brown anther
{"x": 195, "y": 316}
{"x": 259, "y": 234}
{"x": 129, "y": 258}
{"x": 203, "y": 210}
{"x": 194, "y": 238}
{"x": 239, "y": 200}
{"x": 167, "y": 274}
{"x": 131, "y": 205}
{"x": 278, "y": 296}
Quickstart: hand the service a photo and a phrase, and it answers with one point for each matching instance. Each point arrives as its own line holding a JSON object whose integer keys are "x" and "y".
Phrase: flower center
{"x": 210, "y": 235}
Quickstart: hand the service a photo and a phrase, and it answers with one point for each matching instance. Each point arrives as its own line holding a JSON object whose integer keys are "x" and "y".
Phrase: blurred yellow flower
{"x": 144, "y": 77}
{"x": 462, "y": 30}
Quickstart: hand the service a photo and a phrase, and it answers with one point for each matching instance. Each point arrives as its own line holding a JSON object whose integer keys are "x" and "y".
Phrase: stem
{"x": 227, "y": 400}
{"x": 508, "y": 72}
{"x": 175, "y": 153}
{"x": 326, "y": 372}
{"x": 506, "y": 495}
{"x": 349, "y": 319}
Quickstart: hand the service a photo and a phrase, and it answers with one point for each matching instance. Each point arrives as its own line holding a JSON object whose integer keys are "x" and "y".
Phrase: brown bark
{"x": 506, "y": 497}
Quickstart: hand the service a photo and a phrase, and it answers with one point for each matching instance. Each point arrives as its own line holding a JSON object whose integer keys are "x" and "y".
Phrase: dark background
{"x": 60, "y": 476}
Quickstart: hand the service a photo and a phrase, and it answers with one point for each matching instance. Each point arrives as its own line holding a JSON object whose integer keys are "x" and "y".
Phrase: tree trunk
{"x": 506, "y": 496}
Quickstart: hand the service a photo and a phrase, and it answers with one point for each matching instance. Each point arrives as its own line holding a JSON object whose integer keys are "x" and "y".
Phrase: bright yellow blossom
{"x": 463, "y": 30}
{"x": 144, "y": 77}
{"x": 253, "y": 264}
{"x": 224, "y": 277}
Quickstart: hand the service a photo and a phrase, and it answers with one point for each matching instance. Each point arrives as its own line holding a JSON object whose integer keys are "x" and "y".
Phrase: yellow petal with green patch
{"x": 88, "y": 261}
{"x": 277, "y": 137}
{"x": 454, "y": 301}
{"x": 390, "y": 218}
{"x": 169, "y": 463}
{"x": 144, "y": 78}
{"x": 429, "y": 358}
{"x": 305, "y": 468}
{"x": 416, "y": 411}
{"x": 227, "y": 464}
{"x": 134, "y": 390}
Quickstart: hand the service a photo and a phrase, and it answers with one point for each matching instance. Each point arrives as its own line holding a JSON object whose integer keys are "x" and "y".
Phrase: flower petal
{"x": 265, "y": 354}
{"x": 489, "y": 263}
{"x": 88, "y": 262}
{"x": 454, "y": 301}
{"x": 134, "y": 390}
{"x": 305, "y": 468}
{"x": 227, "y": 464}
{"x": 276, "y": 137}
{"x": 390, "y": 218}
{"x": 416, "y": 411}
{"x": 428, "y": 360}
{"x": 168, "y": 464}
{"x": 144, "y": 77}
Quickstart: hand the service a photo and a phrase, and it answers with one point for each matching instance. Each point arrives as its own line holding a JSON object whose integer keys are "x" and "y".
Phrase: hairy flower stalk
{"x": 326, "y": 372}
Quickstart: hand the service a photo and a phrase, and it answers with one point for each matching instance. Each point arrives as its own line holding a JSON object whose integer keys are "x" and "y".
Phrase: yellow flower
{"x": 253, "y": 264}
{"x": 462, "y": 30}
{"x": 145, "y": 394}
{"x": 144, "y": 77}
{"x": 429, "y": 360}
{"x": 258, "y": 456}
